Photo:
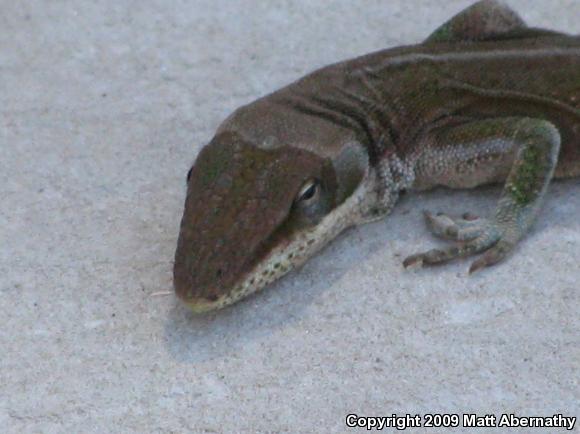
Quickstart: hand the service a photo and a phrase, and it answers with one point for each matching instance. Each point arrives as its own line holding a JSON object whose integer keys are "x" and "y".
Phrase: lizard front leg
{"x": 532, "y": 145}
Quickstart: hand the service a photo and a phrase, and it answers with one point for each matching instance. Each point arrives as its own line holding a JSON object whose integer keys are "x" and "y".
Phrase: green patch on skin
{"x": 442, "y": 34}
{"x": 523, "y": 188}
{"x": 214, "y": 164}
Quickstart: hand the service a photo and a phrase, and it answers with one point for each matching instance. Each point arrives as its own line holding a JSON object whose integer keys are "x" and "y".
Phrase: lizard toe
{"x": 487, "y": 239}
{"x": 465, "y": 228}
{"x": 492, "y": 256}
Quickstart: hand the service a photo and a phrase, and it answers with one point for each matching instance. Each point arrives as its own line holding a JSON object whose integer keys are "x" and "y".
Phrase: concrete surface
{"x": 103, "y": 106}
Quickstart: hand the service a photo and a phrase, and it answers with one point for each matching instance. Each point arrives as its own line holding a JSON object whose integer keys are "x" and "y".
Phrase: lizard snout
{"x": 183, "y": 282}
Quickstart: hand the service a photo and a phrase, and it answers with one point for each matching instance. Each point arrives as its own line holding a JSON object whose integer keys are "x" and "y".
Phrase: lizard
{"x": 484, "y": 99}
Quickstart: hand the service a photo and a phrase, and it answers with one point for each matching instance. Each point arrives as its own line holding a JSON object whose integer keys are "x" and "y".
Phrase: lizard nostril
{"x": 219, "y": 273}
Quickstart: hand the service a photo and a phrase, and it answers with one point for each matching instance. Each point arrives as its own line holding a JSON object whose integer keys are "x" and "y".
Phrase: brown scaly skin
{"x": 484, "y": 99}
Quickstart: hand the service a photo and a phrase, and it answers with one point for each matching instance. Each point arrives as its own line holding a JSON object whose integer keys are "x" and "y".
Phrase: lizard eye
{"x": 189, "y": 174}
{"x": 308, "y": 191}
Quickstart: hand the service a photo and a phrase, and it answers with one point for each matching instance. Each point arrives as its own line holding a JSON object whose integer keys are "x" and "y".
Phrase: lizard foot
{"x": 536, "y": 144}
{"x": 472, "y": 234}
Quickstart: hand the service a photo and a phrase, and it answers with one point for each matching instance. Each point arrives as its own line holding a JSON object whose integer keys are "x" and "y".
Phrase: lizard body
{"x": 484, "y": 99}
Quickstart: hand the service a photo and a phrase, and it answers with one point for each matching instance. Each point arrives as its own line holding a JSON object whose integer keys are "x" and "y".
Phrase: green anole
{"x": 484, "y": 99}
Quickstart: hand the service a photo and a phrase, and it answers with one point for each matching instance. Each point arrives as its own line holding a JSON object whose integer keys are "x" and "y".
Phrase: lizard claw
{"x": 413, "y": 260}
{"x": 473, "y": 235}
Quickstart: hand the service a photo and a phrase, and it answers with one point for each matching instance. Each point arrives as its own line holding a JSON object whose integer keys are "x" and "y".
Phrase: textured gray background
{"x": 104, "y": 105}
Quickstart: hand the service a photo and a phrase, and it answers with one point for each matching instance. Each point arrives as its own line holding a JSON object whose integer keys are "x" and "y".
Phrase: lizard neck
{"x": 356, "y": 103}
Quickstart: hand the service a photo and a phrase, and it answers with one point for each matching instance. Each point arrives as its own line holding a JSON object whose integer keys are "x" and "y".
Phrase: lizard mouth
{"x": 202, "y": 305}
{"x": 280, "y": 255}
{"x": 270, "y": 268}
{"x": 270, "y": 261}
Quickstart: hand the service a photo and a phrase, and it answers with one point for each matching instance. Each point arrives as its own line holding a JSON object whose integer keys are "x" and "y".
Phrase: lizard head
{"x": 253, "y": 213}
